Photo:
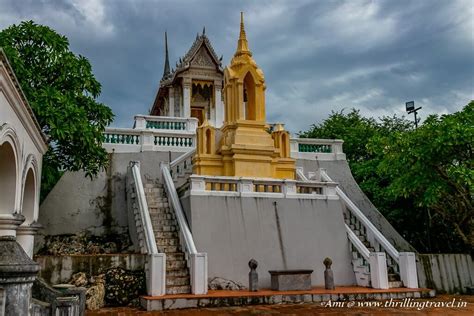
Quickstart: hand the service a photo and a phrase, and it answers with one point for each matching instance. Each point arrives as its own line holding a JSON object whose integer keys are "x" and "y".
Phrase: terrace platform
{"x": 221, "y": 298}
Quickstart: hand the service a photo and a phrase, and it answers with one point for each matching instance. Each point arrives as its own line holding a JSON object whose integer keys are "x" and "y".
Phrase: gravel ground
{"x": 314, "y": 309}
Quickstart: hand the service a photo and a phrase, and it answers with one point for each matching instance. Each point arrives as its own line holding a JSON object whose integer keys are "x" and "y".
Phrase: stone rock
{"x": 86, "y": 243}
{"x": 123, "y": 287}
{"x": 95, "y": 295}
{"x": 219, "y": 283}
{"x": 79, "y": 279}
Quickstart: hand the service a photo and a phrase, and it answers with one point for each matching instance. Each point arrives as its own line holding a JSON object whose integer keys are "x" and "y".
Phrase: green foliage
{"x": 421, "y": 180}
{"x": 438, "y": 168}
{"x": 62, "y": 92}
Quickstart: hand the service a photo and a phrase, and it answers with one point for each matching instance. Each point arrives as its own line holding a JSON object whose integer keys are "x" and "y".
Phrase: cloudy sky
{"x": 317, "y": 56}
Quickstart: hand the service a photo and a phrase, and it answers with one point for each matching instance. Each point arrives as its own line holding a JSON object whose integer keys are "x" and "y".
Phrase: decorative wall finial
{"x": 166, "y": 70}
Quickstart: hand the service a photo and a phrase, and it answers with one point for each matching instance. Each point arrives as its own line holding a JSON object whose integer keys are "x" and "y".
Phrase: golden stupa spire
{"x": 242, "y": 44}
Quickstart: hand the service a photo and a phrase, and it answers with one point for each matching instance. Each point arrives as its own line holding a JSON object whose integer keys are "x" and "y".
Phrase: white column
{"x": 171, "y": 101}
{"x": 140, "y": 122}
{"x": 219, "y": 106}
{"x": 199, "y": 273}
{"x": 186, "y": 97}
{"x": 9, "y": 224}
{"x": 156, "y": 274}
{"x": 25, "y": 236}
{"x": 407, "y": 266}
{"x": 378, "y": 270}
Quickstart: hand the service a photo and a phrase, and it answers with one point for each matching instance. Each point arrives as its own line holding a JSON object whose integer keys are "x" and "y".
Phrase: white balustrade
{"x": 258, "y": 187}
{"x": 316, "y": 149}
{"x": 120, "y": 140}
{"x": 177, "y": 124}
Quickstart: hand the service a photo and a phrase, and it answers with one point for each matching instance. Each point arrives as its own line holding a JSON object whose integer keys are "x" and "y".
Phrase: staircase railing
{"x": 197, "y": 262}
{"x": 156, "y": 262}
{"x": 182, "y": 164}
{"x": 404, "y": 260}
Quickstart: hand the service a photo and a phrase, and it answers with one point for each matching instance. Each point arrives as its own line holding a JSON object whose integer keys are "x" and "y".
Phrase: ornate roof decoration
{"x": 185, "y": 61}
{"x": 166, "y": 71}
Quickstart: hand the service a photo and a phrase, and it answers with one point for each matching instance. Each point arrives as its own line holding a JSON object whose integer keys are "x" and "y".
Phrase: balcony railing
{"x": 136, "y": 140}
{"x": 320, "y": 149}
{"x": 239, "y": 186}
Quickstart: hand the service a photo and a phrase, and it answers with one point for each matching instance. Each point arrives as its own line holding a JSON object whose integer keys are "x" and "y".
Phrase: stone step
{"x": 164, "y": 222}
{"x": 165, "y": 228}
{"x": 177, "y": 280}
{"x": 177, "y": 272}
{"x": 167, "y": 241}
{"x": 158, "y": 216}
{"x": 150, "y": 185}
{"x": 154, "y": 204}
{"x": 178, "y": 264}
{"x": 152, "y": 198}
{"x": 393, "y": 277}
{"x": 159, "y": 210}
{"x": 157, "y": 191}
{"x": 175, "y": 256}
{"x": 182, "y": 289}
{"x": 168, "y": 249}
{"x": 395, "y": 284}
{"x": 173, "y": 235}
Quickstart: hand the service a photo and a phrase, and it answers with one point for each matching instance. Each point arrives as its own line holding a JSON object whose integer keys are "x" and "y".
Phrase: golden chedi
{"x": 243, "y": 146}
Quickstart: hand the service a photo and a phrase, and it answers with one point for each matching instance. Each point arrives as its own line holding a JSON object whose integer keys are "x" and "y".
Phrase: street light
{"x": 410, "y": 108}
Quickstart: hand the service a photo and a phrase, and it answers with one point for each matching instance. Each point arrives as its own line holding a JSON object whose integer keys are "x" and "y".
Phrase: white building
{"x": 22, "y": 146}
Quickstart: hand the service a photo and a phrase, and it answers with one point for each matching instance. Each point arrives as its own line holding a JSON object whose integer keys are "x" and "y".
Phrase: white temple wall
{"x": 233, "y": 230}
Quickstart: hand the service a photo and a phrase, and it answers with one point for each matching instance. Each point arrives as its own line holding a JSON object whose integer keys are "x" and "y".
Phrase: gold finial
{"x": 242, "y": 45}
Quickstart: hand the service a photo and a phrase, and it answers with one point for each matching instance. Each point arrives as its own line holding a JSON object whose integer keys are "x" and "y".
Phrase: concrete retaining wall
{"x": 77, "y": 204}
{"x": 298, "y": 235}
{"x": 446, "y": 273}
{"x": 59, "y": 269}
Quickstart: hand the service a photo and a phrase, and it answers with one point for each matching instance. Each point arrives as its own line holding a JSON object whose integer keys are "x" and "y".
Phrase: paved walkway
{"x": 317, "y": 309}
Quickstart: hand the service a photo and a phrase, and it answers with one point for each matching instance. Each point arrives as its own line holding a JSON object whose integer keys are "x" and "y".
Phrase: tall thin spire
{"x": 242, "y": 45}
{"x": 166, "y": 71}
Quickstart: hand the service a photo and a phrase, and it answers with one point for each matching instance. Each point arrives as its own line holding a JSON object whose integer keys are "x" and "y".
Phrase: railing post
{"x": 199, "y": 273}
{"x": 245, "y": 186}
{"x": 148, "y": 141}
{"x": 156, "y": 274}
{"x": 289, "y": 187}
{"x": 407, "y": 264}
{"x": 378, "y": 270}
{"x": 197, "y": 183}
{"x": 191, "y": 125}
{"x": 140, "y": 122}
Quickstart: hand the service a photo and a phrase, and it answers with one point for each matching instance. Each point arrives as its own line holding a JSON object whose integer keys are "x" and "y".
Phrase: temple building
{"x": 194, "y": 87}
{"x": 203, "y": 184}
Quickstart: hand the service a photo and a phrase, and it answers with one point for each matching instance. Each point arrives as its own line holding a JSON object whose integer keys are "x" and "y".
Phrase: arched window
{"x": 250, "y": 110}
{"x": 208, "y": 141}
{"x": 8, "y": 178}
{"x": 29, "y": 197}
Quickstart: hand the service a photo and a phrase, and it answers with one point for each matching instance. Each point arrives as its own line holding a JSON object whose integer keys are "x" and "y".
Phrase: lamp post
{"x": 410, "y": 108}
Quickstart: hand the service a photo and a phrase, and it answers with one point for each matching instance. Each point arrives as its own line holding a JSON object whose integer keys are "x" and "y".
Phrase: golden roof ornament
{"x": 242, "y": 44}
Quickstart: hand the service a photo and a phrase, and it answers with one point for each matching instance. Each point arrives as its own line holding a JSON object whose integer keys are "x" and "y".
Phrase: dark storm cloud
{"x": 317, "y": 56}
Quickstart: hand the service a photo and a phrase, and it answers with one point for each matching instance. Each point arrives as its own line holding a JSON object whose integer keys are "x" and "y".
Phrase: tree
{"x": 434, "y": 166}
{"x": 420, "y": 180}
{"x": 62, "y": 92}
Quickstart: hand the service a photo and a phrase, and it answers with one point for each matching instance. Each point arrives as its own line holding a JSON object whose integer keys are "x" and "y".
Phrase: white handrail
{"x": 182, "y": 158}
{"x": 365, "y": 221}
{"x": 361, "y": 248}
{"x": 173, "y": 197}
{"x": 300, "y": 173}
{"x": 144, "y": 213}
